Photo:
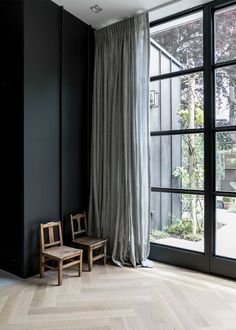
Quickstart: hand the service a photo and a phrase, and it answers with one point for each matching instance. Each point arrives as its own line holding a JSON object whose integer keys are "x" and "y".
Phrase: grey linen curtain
{"x": 120, "y": 176}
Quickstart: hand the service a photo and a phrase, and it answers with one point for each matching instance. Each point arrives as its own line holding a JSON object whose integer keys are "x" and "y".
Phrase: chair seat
{"x": 89, "y": 240}
{"x": 62, "y": 252}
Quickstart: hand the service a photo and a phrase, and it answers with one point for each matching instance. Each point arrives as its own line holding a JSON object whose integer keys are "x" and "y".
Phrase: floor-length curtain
{"x": 120, "y": 176}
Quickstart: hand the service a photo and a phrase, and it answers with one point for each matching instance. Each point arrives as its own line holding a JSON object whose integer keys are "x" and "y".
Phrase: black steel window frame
{"x": 207, "y": 261}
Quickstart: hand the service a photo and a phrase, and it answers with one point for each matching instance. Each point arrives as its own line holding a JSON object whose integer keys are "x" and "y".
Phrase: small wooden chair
{"x": 80, "y": 238}
{"x": 55, "y": 250}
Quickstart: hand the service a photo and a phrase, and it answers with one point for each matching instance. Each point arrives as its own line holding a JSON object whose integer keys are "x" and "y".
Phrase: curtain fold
{"x": 120, "y": 175}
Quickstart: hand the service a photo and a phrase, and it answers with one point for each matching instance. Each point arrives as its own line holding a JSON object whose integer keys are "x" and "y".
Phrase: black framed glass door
{"x": 192, "y": 133}
{"x": 222, "y": 117}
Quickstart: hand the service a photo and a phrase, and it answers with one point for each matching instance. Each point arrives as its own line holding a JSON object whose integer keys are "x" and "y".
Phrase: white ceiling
{"x": 113, "y": 10}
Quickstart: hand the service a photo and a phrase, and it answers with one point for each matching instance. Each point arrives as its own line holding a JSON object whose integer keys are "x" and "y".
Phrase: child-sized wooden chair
{"x": 91, "y": 244}
{"x": 54, "y": 249}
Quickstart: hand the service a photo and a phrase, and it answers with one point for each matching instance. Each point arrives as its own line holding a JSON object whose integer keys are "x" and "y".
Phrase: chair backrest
{"x": 78, "y": 225}
{"x": 50, "y": 234}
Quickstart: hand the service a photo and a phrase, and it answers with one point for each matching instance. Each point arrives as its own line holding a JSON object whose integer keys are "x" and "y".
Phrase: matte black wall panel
{"x": 91, "y": 41}
{"x": 74, "y": 114}
{"x": 45, "y": 103}
{"x": 11, "y": 78}
{"x": 41, "y": 122}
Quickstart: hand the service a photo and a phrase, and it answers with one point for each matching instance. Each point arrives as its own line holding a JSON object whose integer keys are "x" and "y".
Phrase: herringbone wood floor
{"x": 109, "y": 297}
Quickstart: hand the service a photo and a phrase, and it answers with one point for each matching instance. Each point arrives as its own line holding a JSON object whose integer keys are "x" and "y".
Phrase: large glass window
{"x": 225, "y": 81}
{"x": 226, "y": 161}
{"x": 193, "y": 137}
{"x": 177, "y": 133}
{"x": 225, "y": 131}
{"x": 226, "y": 226}
{"x": 183, "y": 226}
{"x": 225, "y": 34}
{"x": 177, "y": 161}
{"x": 177, "y": 103}
{"x": 180, "y": 40}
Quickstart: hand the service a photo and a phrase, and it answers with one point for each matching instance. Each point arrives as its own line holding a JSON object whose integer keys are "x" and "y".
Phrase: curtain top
{"x": 126, "y": 26}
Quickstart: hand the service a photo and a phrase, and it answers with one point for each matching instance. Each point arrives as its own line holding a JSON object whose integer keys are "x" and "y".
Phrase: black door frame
{"x": 208, "y": 261}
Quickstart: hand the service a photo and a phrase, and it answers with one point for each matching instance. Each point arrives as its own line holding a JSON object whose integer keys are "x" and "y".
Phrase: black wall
{"x": 41, "y": 121}
{"x": 74, "y": 110}
{"x": 51, "y": 105}
{"x": 11, "y": 106}
{"x": 75, "y": 93}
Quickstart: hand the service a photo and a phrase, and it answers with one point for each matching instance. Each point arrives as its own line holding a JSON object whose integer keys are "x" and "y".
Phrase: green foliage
{"x": 228, "y": 199}
{"x": 224, "y": 145}
{"x": 192, "y": 237}
{"x": 199, "y": 116}
{"x": 180, "y": 227}
{"x": 224, "y": 141}
{"x": 158, "y": 234}
{"x": 183, "y": 113}
{"x": 184, "y": 174}
{"x": 181, "y": 40}
{"x": 181, "y": 172}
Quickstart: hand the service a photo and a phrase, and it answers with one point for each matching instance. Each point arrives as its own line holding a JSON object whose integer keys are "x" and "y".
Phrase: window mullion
{"x": 209, "y": 145}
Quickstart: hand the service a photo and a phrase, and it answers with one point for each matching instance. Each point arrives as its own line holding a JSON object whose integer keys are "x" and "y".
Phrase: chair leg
{"x": 60, "y": 272}
{"x": 80, "y": 265}
{"x": 105, "y": 253}
{"x": 41, "y": 265}
{"x": 90, "y": 259}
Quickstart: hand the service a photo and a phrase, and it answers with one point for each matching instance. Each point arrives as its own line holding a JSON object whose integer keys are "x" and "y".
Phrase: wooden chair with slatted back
{"x": 52, "y": 248}
{"x": 91, "y": 244}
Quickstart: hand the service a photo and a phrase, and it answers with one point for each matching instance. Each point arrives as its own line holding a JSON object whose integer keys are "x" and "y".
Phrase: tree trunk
{"x": 191, "y": 140}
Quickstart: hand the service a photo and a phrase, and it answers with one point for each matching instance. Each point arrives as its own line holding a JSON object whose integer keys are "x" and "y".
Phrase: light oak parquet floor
{"x": 110, "y": 297}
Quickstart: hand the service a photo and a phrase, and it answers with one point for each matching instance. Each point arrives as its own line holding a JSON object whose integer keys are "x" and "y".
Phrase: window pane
{"x": 178, "y": 220}
{"x": 225, "y": 34}
{"x": 180, "y": 42}
{"x": 155, "y": 119}
{"x": 226, "y": 226}
{"x": 226, "y": 161}
{"x": 154, "y": 61}
{"x": 177, "y": 161}
{"x": 179, "y": 103}
{"x": 226, "y": 96}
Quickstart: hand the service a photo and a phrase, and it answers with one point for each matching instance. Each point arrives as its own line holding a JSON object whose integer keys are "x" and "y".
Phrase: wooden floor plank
{"x": 113, "y": 298}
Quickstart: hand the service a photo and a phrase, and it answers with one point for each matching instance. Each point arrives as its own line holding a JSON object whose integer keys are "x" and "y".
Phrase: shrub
{"x": 191, "y": 237}
{"x": 228, "y": 199}
{"x": 158, "y": 234}
{"x": 181, "y": 227}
